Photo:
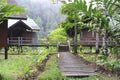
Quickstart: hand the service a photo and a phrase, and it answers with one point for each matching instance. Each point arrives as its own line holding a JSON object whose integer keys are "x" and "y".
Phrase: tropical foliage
{"x": 57, "y": 34}
{"x": 18, "y": 66}
{"x": 6, "y": 10}
{"x": 97, "y": 16}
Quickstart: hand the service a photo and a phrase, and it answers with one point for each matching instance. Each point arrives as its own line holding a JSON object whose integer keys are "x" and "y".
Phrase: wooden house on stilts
{"x": 22, "y": 32}
{"x": 89, "y": 38}
{"x": 17, "y": 30}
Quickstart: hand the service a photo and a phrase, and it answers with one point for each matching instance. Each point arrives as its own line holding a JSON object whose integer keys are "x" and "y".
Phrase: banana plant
{"x": 71, "y": 22}
{"x": 102, "y": 11}
{"x": 78, "y": 9}
{"x": 106, "y": 9}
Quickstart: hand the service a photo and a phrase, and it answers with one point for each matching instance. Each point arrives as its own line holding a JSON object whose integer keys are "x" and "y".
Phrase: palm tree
{"x": 107, "y": 9}
{"x": 101, "y": 14}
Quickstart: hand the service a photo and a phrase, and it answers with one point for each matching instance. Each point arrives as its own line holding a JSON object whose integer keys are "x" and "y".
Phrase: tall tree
{"x": 71, "y": 21}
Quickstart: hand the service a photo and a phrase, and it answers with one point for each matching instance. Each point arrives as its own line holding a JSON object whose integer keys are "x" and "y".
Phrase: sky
{"x": 55, "y": 0}
{"x": 44, "y": 1}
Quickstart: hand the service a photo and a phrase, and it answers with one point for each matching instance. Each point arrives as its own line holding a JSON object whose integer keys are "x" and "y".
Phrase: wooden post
{"x": 18, "y": 41}
{"x": 90, "y": 49}
{"x": 6, "y": 52}
{"x": 75, "y": 40}
{"x": 104, "y": 43}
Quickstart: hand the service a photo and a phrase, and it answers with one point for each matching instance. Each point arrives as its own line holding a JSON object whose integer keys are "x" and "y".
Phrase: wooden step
{"x": 78, "y": 74}
{"x": 71, "y": 65}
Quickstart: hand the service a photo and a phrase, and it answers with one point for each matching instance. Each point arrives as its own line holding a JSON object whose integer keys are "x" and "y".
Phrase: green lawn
{"x": 16, "y": 66}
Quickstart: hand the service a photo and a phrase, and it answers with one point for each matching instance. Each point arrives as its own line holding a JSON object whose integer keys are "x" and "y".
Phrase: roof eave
{"x": 20, "y": 18}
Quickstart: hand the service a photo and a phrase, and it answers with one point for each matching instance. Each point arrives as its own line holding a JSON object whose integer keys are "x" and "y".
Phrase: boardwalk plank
{"x": 72, "y": 65}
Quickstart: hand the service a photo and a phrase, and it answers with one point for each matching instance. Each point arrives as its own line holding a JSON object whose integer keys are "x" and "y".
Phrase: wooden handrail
{"x": 19, "y": 40}
{"x": 30, "y": 41}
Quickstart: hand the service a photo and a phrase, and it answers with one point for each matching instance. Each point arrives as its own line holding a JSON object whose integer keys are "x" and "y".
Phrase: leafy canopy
{"x": 57, "y": 34}
{"x": 7, "y": 10}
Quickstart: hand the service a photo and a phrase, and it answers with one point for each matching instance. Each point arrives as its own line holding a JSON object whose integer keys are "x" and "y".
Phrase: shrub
{"x": 38, "y": 55}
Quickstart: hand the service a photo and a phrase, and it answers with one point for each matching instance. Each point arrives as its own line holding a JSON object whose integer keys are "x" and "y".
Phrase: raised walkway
{"x": 71, "y": 65}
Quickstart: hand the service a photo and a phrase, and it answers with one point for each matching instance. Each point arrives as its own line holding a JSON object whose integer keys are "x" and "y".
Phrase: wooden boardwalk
{"x": 71, "y": 65}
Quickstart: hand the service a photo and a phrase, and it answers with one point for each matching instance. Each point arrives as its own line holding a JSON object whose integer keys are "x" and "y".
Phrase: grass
{"x": 90, "y": 57}
{"x": 52, "y": 72}
{"x": 97, "y": 77}
{"x": 95, "y": 58}
{"x": 16, "y": 66}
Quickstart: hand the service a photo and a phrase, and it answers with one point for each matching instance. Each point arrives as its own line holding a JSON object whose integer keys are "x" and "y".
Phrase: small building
{"x": 88, "y": 38}
{"x": 22, "y": 32}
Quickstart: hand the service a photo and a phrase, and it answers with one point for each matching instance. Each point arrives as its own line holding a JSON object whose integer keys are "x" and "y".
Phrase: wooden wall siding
{"x": 27, "y": 34}
{"x": 87, "y": 34}
{"x": 35, "y": 37}
{"x": 3, "y": 34}
{"x": 88, "y": 38}
{"x": 26, "y": 38}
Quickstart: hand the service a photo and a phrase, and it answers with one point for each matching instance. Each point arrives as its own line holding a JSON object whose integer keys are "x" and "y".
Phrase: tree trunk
{"x": 104, "y": 43}
{"x": 97, "y": 43}
{"x": 75, "y": 40}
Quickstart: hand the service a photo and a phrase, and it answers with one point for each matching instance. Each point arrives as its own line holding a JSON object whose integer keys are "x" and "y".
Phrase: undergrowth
{"x": 52, "y": 72}
{"x": 19, "y": 65}
{"x": 11, "y": 69}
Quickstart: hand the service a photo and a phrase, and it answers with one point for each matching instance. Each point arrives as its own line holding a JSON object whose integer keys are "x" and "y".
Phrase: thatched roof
{"x": 29, "y": 23}
{"x": 20, "y": 16}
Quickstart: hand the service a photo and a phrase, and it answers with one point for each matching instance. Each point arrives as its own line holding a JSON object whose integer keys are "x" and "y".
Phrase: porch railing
{"x": 19, "y": 40}
{"x": 91, "y": 41}
{"x": 35, "y": 41}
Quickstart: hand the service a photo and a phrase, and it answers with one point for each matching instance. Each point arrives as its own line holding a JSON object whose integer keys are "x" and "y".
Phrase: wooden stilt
{"x": 6, "y": 53}
{"x": 90, "y": 49}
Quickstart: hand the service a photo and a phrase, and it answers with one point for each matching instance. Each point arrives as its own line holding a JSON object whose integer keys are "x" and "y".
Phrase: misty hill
{"x": 45, "y": 13}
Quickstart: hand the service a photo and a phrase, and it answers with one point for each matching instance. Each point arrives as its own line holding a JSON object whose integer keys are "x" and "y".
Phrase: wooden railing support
{"x": 68, "y": 41}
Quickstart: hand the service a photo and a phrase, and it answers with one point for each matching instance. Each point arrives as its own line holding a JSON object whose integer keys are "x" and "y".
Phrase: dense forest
{"x": 45, "y": 14}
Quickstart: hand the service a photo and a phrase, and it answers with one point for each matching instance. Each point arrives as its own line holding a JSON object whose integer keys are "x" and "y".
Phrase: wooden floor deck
{"x": 71, "y": 65}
